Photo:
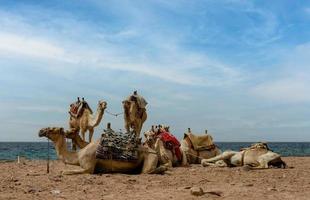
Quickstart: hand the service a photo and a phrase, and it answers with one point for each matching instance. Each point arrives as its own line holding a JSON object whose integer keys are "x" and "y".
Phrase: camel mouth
{"x": 42, "y": 133}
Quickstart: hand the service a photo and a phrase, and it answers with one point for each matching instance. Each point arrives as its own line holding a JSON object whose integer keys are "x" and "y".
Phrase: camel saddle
{"x": 77, "y": 108}
{"x": 118, "y": 146}
{"x": 200, "y": 142}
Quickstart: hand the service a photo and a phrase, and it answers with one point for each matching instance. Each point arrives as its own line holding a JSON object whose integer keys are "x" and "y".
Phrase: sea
{"x": 9, "y": 151}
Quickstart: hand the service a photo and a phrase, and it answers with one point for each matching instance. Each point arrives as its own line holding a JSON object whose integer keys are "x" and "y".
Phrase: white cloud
{"x": 291, "y": 90}
{"x": 167, "y": 60}
{"x": 12, "y": 44}
{"x": 290, "y": 83}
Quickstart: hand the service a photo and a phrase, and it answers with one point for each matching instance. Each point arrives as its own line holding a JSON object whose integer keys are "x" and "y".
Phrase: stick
{"x": 48, "y": 156}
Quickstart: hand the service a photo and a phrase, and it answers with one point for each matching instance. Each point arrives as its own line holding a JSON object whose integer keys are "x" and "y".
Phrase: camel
{"x": 86, "y": 157}
{"x": 134, "y": 116}
{"x": 194, "y": 153}
{"x": 167, "y": 157}
{"x": 86, "y": 121}
{"x": 258, "y": 156}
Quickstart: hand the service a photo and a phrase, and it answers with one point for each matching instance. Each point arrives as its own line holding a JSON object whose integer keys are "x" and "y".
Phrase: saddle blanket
{"x": 172, "y": 143}
{"x": 118, "y": 146}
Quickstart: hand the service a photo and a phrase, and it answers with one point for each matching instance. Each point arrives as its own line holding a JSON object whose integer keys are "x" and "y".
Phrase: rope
{"x": 114, "y": 114}
{"x": 194, "y": 155}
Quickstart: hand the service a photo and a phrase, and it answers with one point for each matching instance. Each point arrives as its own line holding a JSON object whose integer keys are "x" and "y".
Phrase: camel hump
{"x": 85, "y": 105}
{"x": 200, "y": 142}
{"x": 140, "y": 100}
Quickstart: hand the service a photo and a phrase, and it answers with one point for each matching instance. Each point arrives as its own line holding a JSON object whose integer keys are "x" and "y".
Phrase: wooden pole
{"x": 48, "y": 156}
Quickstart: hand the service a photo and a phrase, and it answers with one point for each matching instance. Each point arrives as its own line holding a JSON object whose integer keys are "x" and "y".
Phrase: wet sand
{"x": 30, "y": 181}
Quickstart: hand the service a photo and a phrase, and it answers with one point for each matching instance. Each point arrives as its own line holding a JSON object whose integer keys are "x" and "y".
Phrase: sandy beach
{"x": 30, "y": 181}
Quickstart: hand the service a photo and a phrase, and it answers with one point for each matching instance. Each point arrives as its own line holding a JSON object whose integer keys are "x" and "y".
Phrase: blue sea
{"x": 39, "y": 150}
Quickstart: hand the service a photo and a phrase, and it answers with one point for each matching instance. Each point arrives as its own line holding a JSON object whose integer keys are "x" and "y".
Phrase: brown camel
{"x": 198, "y": 147}
{"x": 134, "y": 116}
{"x": 86, "y": 157}
{"x": 167, "y": 156}
{"x": 86, "y": 121}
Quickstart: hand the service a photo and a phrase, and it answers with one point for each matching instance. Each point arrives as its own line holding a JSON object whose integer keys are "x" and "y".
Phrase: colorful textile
{"x": 172, "y": 143}
{"x": 118, "y": 146}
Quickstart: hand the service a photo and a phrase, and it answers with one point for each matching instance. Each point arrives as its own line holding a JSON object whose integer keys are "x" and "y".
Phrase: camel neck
{"x": 63, "y": 153}
{"x": 98, "y": 117}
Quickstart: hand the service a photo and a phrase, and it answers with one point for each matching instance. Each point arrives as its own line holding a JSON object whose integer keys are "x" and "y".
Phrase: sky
{"x": 240, "y": 69}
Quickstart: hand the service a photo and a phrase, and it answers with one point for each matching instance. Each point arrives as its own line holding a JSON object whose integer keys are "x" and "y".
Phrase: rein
{"x": 117, "y": 114}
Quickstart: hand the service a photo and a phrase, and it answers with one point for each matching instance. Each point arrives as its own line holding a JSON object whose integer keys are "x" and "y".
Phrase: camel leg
{"x": 91, "y": 132}
{"x": 224, "y": 156}
{"x": 83, "y": 134}
{"x": 150, "y": 164}
{"x": 127, "y": 127}
{"x": 138, "y": 130}
{"x": 77, "y": 171}
{"x": 184, "y": 159}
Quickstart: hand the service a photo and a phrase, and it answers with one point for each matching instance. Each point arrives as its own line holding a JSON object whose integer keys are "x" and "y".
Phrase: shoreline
{"x": 29, "y": 159}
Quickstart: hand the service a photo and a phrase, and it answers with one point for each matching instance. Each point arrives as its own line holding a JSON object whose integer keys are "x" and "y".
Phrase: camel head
{"x": 52, "y": 133}
{"x": 130, "y": 109}
{"x": 102, "y": 105}
{"x": 127, "y": 104}
{"x": 150, "y": 137}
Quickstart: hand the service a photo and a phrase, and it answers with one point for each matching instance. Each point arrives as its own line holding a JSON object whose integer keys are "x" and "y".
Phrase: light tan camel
{"x": 133, "y": 116}
{"x": 86, "y": 157}
{"x": 167, "y": 157}
{"x": 195, "y": 153}
{"x": 87, "y": 121}
{"x": 257, "y": 156}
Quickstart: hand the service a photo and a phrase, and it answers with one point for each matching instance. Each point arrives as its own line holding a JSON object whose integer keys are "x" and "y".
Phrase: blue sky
{"x": 237, "y": 68}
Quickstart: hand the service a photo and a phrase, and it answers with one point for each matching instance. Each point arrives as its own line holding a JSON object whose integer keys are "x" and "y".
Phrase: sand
{"x": 30, "y": 181}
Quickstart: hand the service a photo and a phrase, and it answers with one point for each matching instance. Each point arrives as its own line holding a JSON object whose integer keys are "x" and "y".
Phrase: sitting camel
{"x": 198, "y": 147}
{"x": 86, "y": 157}
{"x": 86, "y": 121}
{"x": 165, "y": 149}
{"x": 134, "y": 113}
{"x": 257, "y": 156}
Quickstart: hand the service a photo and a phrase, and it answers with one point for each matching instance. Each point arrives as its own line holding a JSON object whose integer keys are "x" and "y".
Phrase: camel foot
{"x": 159, "y": 170}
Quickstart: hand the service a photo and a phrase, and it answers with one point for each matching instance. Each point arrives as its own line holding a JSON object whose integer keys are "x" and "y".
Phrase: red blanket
{"x": 170, "y": 139}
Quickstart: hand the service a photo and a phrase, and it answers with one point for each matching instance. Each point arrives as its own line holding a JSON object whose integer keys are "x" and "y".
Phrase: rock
{"x": 271, "y": 189}
{"x": 32, "y": 190}
{"x": 249, "y": 185}
{"x": 187, "y": 187}
{"x": 55, "y": 192}
{"x": 197, "y": 191}
{"x": 57, "y": 178}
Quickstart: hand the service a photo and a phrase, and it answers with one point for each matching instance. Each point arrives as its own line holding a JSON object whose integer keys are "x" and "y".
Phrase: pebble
{"x": 271, "y": 189}
{"x": 55, "y": 192}
{"x": 197, "y": 191}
